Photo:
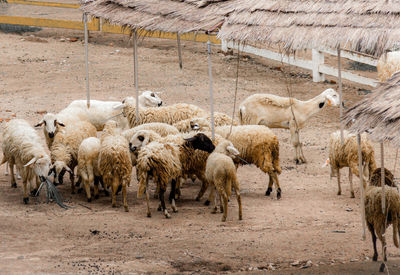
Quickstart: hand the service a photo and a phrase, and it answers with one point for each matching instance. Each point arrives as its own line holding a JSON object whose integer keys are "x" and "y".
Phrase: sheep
{"x": 167, "y": 114}
{"x": 88, "y": 158}
{"x": 377, "y": 221}
{"x": 346, "y": 155}
{"x": 167, "y": 162}
{"x": 388, "y": 64}
{"x": 221, "y": 172}
{"x": 220, "y": 119}
{"x": 162, "y": 129}
{"x": 115, "y": 163}
{"x": 22, "y": 147}
{"x": 98, "y": 113}
{"x": 65, "y": 147}
{"x": 283, "y": 112}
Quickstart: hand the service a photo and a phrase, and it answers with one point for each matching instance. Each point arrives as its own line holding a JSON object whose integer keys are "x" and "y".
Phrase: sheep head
{"x": 331, "y": 97}
{"x": 199, "y": 124}
{"x": 140, "y": 139}
{"x": 201, "y": 142}
{"x": 226, "y": 147}
{"x": 51, "y": 124}
{"x": 40, "y": 165}
{"x": 150, "y": 99}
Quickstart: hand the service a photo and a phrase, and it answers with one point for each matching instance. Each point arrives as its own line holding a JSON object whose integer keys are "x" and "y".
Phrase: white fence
{"x": 316, "y": 64}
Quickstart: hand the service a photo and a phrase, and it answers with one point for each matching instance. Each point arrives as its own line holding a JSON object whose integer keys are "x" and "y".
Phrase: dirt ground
{"x": 310, "y": 223}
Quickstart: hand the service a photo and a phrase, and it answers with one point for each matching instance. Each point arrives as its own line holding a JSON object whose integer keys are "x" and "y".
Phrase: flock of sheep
{"x": 172, "y": 144}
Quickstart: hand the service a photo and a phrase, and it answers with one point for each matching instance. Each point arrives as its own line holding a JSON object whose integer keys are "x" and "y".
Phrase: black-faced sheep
{"x": 221, "y": 173}
{"x": 282, "y": 112}
{"x": 115, "y": 163}
{"x": 346, "y": 155}
{"x": 22, "y": 147}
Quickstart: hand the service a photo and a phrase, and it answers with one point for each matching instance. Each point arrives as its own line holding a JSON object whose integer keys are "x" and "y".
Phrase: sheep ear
{"x": 32, "y": 161}
{"x": 190, "y": 139}
{"x": 60, "y": 123}
{"x": 195, "y": 126}
{"x": 118, "y": 106}
{"x": 232, "y": 150}
{"x": 69, "y": 170}
{"x": 40, "y": 123}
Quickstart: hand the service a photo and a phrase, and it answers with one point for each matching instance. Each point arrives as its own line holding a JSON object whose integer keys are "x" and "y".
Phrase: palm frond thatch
{"x": 378, "y": 113}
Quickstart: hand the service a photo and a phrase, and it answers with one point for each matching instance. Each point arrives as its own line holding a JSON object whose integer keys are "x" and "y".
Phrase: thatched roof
{"x": 378, "y": 113}
{"x": 371, "y": 26}
{"x": 160, "y": 15}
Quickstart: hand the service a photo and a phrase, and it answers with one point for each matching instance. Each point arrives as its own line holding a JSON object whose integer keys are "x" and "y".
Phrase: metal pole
{"x": 340, "y": 95}
{"x": 383, "y": 178}
{"x": 360, "y": 171}
{"x": 211, "y": 90}
{"x": 86, "y": 60}
{"x": 178, "y": 39}
{"x": 135, "y": 68}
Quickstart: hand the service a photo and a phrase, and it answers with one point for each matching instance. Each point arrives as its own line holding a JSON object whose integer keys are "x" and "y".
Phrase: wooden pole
{"x": 383, "y": 178}
{"x": 211, "y": 90}
{"x": 135, "y": 68}
{"x": 360, "y": 171}
{"x": 178, "y": 39}
{"x": 340, "y": 95}
{"x": 86, "y": 60}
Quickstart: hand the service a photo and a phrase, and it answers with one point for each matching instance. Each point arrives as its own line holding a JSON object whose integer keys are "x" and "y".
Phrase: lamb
{"x": 88, "y": 157}
{"x": 377, "y": 221}
{"x": 22, "y": 147}
{"x": 167, "y": 114}
{"x": 64, "y": 150}
{"x": 221, "y": 172}
{"x": 388, "y": 64}
{"x": 282, "y": 112}
{"x": 98, "y": 113}
{"x": 220, "y": 119}
{"x": 167, "y": 162}
{"x": 346, "y": 155}
{"x": 115, "y": 163}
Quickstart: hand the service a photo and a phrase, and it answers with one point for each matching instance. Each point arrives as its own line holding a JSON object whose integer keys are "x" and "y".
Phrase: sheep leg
{"x": 86, "y": 184}
{"x": 351, "y": 183}
{"x": 157, "y": 192}
{"x": 105, "y": 188}
{"x": 34, "y": 190}
{"x": 270, "y": 183}
{"x": 338, "y": 181}
{"x": 124, "y": 196}
{"x": 96, "y": 187}
{"x": 6, "y": 173}
{"x": 203, "y": 189}
{"x": 239, "y": 199}
{"x": 213, "y": 198}
{"x": 172, "y": 195}
{"x": 25, "y": 183}
{"x": 163, "y": 208}
{"x": 225, "y": 199}
{"x": 148, "y": 200}
{"x": 115, "y": 185}
{"x": 13, "y": 181}
{"x": 71, "y": 178}
{"x": 294, "y": 136}
{"x": 372, "y": 230}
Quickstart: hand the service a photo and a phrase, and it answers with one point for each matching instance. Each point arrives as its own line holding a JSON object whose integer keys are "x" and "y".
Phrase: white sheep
{"x": 221, "y": 173}
{"x": 388, "y": 64}
{"x": 282, "y": 112}
{"x": 98, "y": 113}
{"x": 88, "y": 170}
{"x": 167, "y": 162}
{"x": 22, "y": 147}
{"x": 346, "y": 155}
{"x": 115, "y": 163}
{"x": 65, "y": 147}
{"x": 165, "y": 114}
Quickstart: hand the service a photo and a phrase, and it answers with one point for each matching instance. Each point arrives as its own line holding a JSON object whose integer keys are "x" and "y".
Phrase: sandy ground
{"x": 41, "y": 73}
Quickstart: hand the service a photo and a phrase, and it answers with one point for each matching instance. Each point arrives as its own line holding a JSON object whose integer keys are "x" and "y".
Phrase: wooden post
{"x": 86, "y": 60}
{"x": 361, "y": 173}
{"x": 383, "y": 178}
{"x": 178, "y": 39}
{"x": 317, "y": 60}
{"x": 211, "y": 90}
{"x": 135, "y": 69}
{"x": 340, "y": 96}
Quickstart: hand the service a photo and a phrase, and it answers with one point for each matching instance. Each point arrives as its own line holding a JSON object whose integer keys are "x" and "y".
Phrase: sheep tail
{"x": 275, "y": 156}
{"x": 90, "y": 173}
{"x": 396, "y": 232}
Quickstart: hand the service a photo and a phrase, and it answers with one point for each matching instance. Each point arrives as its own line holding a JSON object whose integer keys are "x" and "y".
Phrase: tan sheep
{"x": 166, "y": 114}
{"x": 163, "y": 129}
{"x": 388, "y": 64}
{"x": 346, "y": 155}
{"x": 64, "y": 150}
{"x": 220, "y": 119}
{"x": 221, "y": 173}
{"x": 377, "y": 221}
{"x": 115, "y": 163}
